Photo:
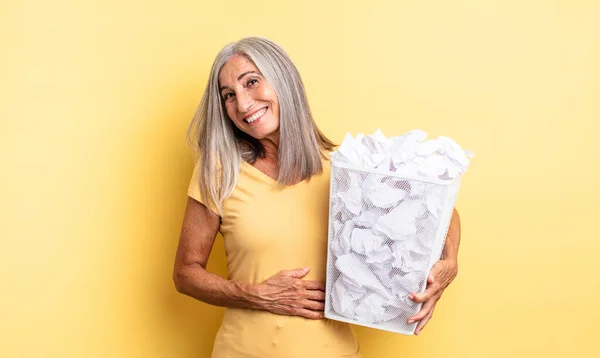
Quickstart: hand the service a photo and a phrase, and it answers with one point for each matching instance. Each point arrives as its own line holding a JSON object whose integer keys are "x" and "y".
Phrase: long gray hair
{"x": 222, "y": 145}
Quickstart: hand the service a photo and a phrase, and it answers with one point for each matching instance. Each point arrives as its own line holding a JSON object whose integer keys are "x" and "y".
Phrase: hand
{"x": 441, "y": 275}
{"x": 287, "y": 294}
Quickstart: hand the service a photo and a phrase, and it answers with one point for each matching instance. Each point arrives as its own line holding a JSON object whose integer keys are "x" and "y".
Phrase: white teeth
{"x": 256, "y": 115}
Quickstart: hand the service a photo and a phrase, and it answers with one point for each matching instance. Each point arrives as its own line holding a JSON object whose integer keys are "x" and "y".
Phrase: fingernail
{"x": 411, "y": 321}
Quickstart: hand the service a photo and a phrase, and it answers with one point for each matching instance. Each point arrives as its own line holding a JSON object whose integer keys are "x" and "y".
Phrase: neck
{"x": 271, "y": 145}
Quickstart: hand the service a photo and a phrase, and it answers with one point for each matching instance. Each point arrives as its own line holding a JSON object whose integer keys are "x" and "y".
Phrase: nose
{"x": 244, "y": 101}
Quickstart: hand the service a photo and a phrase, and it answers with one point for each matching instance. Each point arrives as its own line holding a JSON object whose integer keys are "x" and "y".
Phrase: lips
{"x": 255, "y": 116}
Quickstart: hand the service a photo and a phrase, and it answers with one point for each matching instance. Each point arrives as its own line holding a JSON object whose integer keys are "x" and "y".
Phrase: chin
{"x": 265, "y": 134}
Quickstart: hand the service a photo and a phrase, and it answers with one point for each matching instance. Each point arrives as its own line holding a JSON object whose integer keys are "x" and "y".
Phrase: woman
{"x": 263, "y": 181}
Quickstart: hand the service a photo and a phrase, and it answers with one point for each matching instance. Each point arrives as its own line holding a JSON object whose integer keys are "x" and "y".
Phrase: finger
{"x": 431, "y": 278}
{"x": 296, "y": 273}
{"x": 314, "y": 285}
{"x": 315, "y": 295}
{"x": 423, "y": 322}
{"x": 314, "y": 305}
{"x": 425, "y": 309}
{"x": 435, "y": 271}
{"x": 309, "y": 314}
{"x": 432, "y": 290}
{"x": 425, "y": 296}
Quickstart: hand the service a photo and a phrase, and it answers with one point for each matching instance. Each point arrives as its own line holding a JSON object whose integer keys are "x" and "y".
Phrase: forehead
{"x": 234, "y": 67}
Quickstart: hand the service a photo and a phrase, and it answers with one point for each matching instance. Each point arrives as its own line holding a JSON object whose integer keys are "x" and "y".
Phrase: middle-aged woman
{"x": 262, "y": 180}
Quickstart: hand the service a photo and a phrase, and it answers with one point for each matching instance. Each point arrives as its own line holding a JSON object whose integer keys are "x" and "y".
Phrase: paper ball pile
{"x": 409, "y": 154}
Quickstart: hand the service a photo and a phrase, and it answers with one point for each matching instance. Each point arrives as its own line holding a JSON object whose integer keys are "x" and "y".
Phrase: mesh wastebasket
{"x": 386, "y": 230}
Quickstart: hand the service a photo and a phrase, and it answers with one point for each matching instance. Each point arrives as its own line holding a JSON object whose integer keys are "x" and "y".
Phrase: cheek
{"x": 231, "y": 110}
{"x": 268, "y": 93}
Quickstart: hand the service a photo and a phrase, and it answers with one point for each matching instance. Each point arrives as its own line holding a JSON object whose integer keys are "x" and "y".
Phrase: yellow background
{"x": 95, "y": 97}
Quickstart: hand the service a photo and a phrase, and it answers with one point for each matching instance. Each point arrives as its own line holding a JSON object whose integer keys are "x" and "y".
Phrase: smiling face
{"x": 250, "y": 101}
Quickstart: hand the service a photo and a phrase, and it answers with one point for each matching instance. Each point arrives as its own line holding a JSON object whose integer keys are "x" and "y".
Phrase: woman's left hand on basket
{"x": 441, "y": 275}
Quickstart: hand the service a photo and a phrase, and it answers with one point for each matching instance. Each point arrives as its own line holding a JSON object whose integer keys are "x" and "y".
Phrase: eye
{"x": 228, "y": 95}
{"x": 252, "y": 82}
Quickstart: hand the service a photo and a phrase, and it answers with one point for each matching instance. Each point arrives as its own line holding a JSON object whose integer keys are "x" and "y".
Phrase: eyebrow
{"x": 239, "y": 78}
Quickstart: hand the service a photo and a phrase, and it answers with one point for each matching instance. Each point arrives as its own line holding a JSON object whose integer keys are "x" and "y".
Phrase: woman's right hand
{"x": 286, "y": 293}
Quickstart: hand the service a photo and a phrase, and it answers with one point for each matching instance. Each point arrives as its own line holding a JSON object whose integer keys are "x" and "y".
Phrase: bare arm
{"x": 198, "y": 233}
{"x": 450, "y": 251}
{"x": 285, "y": 293}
